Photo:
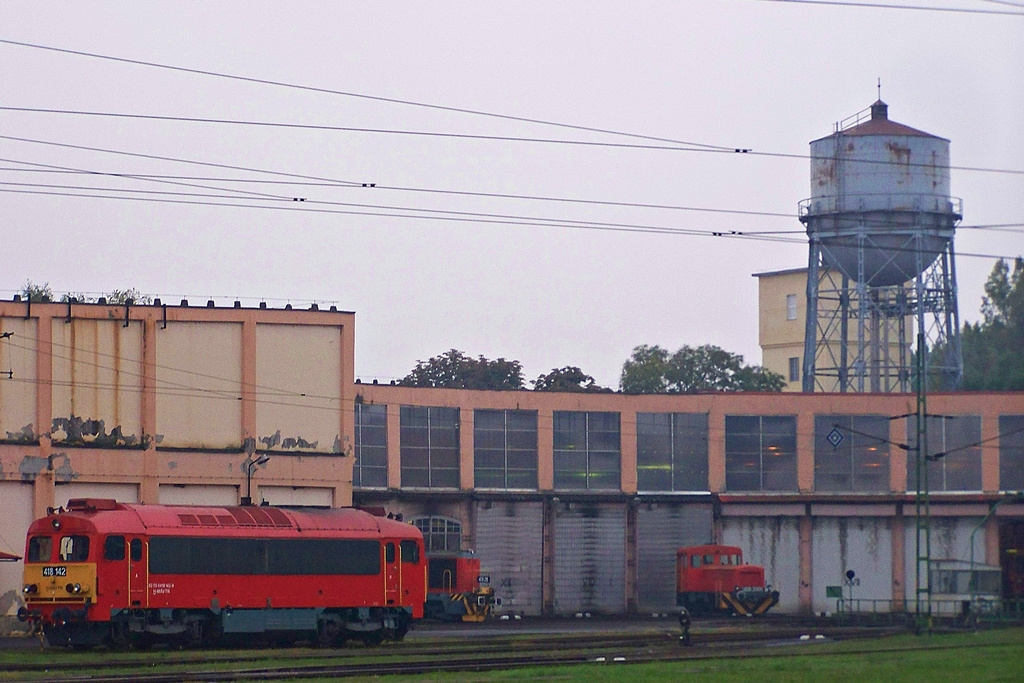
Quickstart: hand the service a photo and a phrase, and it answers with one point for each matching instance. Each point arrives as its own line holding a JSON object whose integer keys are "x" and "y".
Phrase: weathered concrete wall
{"x": 298, "y": 398}
{"x": 199, "y": 385}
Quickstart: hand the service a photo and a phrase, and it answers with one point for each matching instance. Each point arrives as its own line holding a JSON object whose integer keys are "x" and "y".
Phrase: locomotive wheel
{"x": 403, "y": 628}
{"x": 328, "y": 633}
{"x": 118, "y": 638}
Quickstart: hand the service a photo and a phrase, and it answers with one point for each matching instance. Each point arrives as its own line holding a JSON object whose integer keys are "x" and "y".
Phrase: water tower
{"x": 881, "y": 272}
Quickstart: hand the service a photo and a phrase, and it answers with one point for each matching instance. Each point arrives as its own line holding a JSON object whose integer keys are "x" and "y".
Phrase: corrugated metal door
{"x": 590, "y": 558}
{"x": 17, "y": 501}
{"x": 122, "y": 493}
{"x": 773, "y": 543}
{"x": 661, "y": 530}
{"x": 509, "y": 543}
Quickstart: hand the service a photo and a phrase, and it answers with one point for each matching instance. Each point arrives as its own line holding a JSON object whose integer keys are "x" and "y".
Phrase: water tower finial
{"x": 879, "y": 88}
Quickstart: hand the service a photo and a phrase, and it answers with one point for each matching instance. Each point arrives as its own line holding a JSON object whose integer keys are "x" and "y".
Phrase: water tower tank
{"x": 880, "y": 204}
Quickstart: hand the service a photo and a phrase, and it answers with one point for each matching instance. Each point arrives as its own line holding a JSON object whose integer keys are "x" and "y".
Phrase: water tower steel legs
{"x": 878, "y": 354}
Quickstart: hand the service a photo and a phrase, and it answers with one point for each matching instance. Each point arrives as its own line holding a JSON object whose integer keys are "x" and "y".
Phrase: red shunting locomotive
{"x": 713, "y": 578}
{"x": 455, "y": 589}
{"x": 103, "y": 572}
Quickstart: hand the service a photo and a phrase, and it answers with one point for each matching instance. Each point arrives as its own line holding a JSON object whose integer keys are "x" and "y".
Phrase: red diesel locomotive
{"x": 712, "y": 578}
{"x": 103, "y": 572}
{"x": 455, "y": 591}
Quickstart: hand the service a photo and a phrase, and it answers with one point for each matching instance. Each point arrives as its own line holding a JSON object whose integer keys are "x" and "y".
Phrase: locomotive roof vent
{"x": 91, "y": 504}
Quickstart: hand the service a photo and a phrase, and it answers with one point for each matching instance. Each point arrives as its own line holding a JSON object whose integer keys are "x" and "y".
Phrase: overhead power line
{"x": 922, "y": 8}
{"x": 51, "y": 169}
{"x": 522, "y": 221}
{"x": 376, "y": 98}
{"x": 497, "y": 138}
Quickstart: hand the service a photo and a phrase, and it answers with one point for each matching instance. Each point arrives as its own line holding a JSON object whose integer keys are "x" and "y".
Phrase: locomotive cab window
{"x": 136, "y": 547}
{"x": 736, "y": 559}
{"x": 709, "y": 559}
{"x": 694, "y": 560}
{"x": 40, "y": 548}
{"x": 113, "y": 548}
{"x": 74, "y": 548}
{"x": 389, "y": 552}
{"x": 410, "y": 552}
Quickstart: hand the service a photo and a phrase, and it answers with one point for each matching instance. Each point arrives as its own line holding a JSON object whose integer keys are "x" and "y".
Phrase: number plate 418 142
{"x": 55, "y": 571}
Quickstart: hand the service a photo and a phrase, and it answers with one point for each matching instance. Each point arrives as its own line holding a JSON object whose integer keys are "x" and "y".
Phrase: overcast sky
{"x": 768, "y": 76}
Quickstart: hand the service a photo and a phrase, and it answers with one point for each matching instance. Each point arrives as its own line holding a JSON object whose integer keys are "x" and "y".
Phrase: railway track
{"x": 480, "y": 654}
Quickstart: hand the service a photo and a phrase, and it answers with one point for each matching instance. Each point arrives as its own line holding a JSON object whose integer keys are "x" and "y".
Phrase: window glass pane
{"x": 113, "y": 548}
{"x": 1011, "y": 452}
{"x": 444, "y": 478}
{"x": 40, "y": 549}
{"x": 505, "y": 441}
{"x": 415, "y": 477}
{"x": 136, "y": 549}
{"x": 760, "y": 453}
{"x": 489, "y": 478}
{"x": 74, "y": 548}
{"x": 489, "y": 419}
{"x": 522, "y": 479}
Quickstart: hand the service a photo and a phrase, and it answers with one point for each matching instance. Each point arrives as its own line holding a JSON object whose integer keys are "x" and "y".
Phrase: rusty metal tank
{"x": 880, "y": 203}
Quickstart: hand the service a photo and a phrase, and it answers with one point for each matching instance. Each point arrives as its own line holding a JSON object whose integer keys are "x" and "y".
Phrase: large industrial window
{"x": 371, "y": 465}
{"x": 440, "y": 534}
{"x": 1011, "y": 452}
{"x": 953, "y": 451}
{"x": 672, "y": 451}
{"x": 760, "y": 453}
{"x": 586, "y": 450}
{"x": 794, "y": 369}
{"x": 851, "y": 453}
{"x": 430, "y": 447}
{"x": 505, "y": 449}
{"x": 791, "y": 307}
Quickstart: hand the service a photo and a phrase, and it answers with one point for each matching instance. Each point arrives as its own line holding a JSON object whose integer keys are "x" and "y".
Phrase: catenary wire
{"x": 389, "y": 100}
{"x": 524, "y": 221}
{"x": 997, "y": 227}
{"x": 883, "y": 5}
{"x": 554, "y": 223}
{"x": 501, "y": 138}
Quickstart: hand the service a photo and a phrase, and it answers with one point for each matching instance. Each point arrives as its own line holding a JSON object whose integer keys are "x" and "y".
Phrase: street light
{"x": 249, "y": 467}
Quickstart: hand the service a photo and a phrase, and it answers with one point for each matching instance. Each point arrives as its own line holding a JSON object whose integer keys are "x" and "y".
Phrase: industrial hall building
{"x": 574, "y": 502}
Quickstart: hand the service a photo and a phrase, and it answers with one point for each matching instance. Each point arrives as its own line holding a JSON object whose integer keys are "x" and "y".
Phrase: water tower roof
{"x": 881, "y": 124}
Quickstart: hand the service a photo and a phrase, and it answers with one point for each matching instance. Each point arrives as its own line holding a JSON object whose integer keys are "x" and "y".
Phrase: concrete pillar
{"x": 806, "y": 563}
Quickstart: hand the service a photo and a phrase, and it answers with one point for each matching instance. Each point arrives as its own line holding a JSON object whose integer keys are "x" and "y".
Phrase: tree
{"x": 653, "y": 370}
{"x": 36, "y": 293}
{"x": 568, "y": 379}
{"x": 993, "y": 349}
{"x": 455, "y": 370}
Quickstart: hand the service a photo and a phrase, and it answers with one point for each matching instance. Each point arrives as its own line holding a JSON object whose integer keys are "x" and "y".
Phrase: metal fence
{"x": 965, "y": 612}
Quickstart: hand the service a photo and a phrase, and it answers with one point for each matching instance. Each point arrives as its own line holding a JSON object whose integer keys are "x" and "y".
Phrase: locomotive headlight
{"x": 30, "y": 589}
{"x": 56, "y": 523}
{"x": 73, "y": 588}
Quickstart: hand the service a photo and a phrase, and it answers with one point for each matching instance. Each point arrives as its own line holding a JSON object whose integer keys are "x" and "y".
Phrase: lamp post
{"x": 249, "y": 467}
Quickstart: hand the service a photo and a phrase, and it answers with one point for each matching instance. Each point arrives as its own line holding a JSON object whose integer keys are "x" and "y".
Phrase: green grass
{"x": 963, "y": 658}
